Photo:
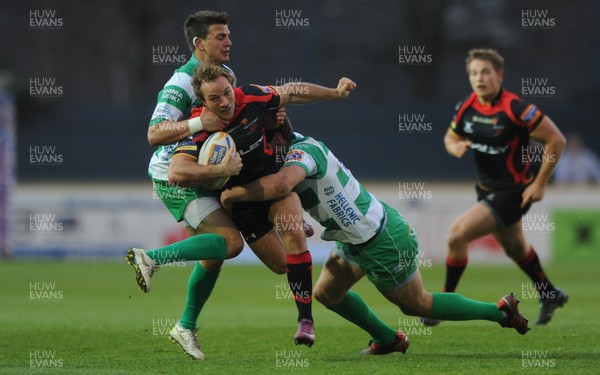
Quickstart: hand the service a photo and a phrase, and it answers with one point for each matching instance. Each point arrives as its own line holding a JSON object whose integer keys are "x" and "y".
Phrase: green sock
{"x": 453, "y": 306}
{"x": 198, "y": 247}
{"x": 355, "y": 309}
{"x": 200, "y": 286}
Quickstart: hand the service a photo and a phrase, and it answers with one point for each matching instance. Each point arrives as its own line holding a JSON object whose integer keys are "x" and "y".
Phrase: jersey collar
{"x": 497, "y": 98}
{"x": 194, "y": 60}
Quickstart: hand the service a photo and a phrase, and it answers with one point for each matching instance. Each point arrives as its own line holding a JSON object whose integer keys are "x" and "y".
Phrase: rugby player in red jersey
{"x": 247, "y": 111}
{"x": 497, "y": 126}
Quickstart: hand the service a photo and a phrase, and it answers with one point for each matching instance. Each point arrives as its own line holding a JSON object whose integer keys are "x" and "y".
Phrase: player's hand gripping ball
{"x": 213, "y": 152}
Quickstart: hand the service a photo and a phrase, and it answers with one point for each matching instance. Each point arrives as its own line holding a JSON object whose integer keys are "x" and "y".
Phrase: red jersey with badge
{"x": 500, "y": 137}
{"x": 247, "y": 128}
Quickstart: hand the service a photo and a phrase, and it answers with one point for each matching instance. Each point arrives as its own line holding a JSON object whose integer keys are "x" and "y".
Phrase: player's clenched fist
{"x": 459, "y": 148}
{"x": 345, "y": 85}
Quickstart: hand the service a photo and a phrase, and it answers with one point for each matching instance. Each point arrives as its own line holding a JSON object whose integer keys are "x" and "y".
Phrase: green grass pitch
{"x": 90, "y": 318}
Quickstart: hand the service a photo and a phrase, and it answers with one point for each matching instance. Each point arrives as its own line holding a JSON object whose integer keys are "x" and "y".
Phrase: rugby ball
{"x": 212, "y": 152}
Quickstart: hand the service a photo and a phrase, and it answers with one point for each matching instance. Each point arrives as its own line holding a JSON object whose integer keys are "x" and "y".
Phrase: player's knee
{"x": 235, "y": 244}
{"x": 321, "y": 296}
{"x": 324, "y": 297}
{"x": 294, "y": 238}
{"x": 416, "y": 306}
{"x": 416, "y": 309}
{"x": 279, "y": 268}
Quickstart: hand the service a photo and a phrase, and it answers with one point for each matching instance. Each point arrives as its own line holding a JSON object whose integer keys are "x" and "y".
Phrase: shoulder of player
{"x": 188, "y": 68}
{"x": 181, "y": 82}
{"x": 509, "y": 99}
{"x": 252, "y": 93}
{"x": 228, "y": 69}
{"x": 308, "y": 144}
{"x": 465, "y": 102}
{"x": 462, "y": 105}
{"x": 519, "y": 110}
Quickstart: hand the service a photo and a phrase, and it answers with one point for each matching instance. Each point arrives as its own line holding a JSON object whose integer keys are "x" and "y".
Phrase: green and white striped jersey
{"x": 332, "y": 196}
{"x": 174, "y": 103}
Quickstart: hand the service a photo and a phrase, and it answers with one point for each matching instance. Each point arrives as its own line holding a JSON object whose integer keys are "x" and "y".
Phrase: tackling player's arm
{"x": 265, "y": 188}
{"x": 554, "y": 143}
{"x": 305, "y": 93}
{"x": 167, "y": 132}
{"x": 455, "y": 144}
{"x": 185, "y": 171}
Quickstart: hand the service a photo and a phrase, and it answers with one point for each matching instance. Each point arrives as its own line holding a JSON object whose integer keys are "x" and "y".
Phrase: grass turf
{"x": 90, "y": 318}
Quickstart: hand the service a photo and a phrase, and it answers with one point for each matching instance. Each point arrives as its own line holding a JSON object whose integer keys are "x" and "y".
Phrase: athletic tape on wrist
{"x": 195, "y": 125}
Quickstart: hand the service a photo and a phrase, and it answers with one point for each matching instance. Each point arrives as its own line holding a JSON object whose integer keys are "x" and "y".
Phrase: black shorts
{"x": 504, "y": 204}
{"x": 252, "y": 219}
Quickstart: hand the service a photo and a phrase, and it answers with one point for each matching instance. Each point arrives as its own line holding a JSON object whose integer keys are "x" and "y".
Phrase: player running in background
{"x": 497, "y": 125}
{"x": 371, "y": 238}
{"x": 245, "y": 109}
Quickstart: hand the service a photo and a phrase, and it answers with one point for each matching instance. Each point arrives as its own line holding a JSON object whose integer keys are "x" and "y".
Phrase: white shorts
{"x": 198, "y": 209}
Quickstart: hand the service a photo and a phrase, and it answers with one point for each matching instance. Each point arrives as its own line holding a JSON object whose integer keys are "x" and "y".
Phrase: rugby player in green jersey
{"x": 371, "y": 238}
{"x": 208, "y": 37}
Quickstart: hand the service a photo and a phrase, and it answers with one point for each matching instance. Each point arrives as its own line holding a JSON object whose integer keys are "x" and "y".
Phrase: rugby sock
{"x": 454, "y": 270}
{"x": 453, "y": 306}
{"x": 532, "y": 267}
{"x": 198, "y": 247}
{"x": 354, "y": 309}
{"x": 200, "y": 286}
{"x": 299, "y": 275}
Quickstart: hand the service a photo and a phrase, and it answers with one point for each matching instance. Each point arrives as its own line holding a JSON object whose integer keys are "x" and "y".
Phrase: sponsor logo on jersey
{"x": 492, "y": 150}
{"x": 171, "y": 95}
{"x": 530, "y": 114}
{"x": 329, "y": 190}
{"x": 252, "y": 147}
{"x": 187, "y": 143}
{"x": 252, "y": 125}
{"x": 340, "y": 206}
{"x": 294, "y": 155}
{"x": 485, "y": 120}
{"x": 265, "y": 89}
{"x": 468, "y": 127}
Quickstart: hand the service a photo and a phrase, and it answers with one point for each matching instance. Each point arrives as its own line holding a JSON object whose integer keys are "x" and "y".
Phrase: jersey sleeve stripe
{"x": 290, "y": 163}
{"x": 185, "y": 154}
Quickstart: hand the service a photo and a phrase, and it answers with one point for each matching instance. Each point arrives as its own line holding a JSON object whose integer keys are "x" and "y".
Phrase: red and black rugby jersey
{"x": 500, "y": 137}
{"x": 247, "y": 128}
